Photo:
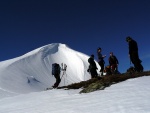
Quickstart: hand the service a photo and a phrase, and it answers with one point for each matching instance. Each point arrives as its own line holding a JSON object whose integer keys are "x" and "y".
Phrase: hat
{"x": 128, "y": 38}
{"x": 99, "y": 48}
{"x": 92, "y": 55}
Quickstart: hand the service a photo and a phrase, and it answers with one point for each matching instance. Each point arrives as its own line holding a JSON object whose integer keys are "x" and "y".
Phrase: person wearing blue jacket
{"x": 101, "y": 61}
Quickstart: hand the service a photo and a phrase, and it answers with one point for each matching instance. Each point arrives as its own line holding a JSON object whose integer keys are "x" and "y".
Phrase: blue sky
{"x": 84, "y": 25}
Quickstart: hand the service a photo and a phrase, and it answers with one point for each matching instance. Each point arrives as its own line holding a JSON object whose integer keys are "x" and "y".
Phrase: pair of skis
{"x": 64, "y": 68}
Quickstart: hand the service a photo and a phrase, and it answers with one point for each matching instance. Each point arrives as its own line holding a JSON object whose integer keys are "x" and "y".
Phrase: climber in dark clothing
{"x": 56, "y": 69}
{"x": 113, "y": 63}
{"x": 101, "y": 61}
{"x": 133, "y": 53}
{"x": 92, "y": 67}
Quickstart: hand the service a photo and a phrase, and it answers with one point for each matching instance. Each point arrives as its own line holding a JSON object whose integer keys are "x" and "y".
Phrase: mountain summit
{"x": 32, "y": 71}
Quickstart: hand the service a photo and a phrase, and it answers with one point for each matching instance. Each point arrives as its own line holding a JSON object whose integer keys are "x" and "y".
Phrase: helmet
{"x": 128, "y": 38}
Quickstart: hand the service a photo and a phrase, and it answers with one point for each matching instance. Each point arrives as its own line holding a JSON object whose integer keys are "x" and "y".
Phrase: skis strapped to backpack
{"x": 64, "y": 68}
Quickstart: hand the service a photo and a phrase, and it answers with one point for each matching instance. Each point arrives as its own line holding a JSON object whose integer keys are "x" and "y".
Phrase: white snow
{"x": 35, "y": 67}
{"x": 23, "y": 80}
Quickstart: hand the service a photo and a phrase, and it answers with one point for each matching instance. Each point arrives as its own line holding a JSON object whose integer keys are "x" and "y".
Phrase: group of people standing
{"x": 113, "y": 61}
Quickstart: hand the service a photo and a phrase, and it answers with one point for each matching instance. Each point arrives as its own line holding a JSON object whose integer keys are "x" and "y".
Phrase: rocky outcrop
{"x": 101, "y": 83}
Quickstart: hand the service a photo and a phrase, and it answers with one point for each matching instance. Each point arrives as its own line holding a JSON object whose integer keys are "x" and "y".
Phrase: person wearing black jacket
{"x": 133, "y": 53}
{"x": 56, "y": 69}
{"x": 92, "y": 67}
{"x": 113, "y": 63}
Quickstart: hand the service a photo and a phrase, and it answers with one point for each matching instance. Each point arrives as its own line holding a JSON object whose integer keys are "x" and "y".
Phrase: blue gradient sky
{"x": 84, "y": 25}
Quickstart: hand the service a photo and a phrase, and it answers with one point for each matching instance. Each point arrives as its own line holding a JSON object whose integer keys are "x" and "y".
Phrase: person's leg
{"x": 57, "y": 76}
{"x": 135, "y": 60}
{"x": 95, "y": 73}
{"x": 139, "y": 67}
{"x": 113, "y": 67}
{"x": 92, "y": 74}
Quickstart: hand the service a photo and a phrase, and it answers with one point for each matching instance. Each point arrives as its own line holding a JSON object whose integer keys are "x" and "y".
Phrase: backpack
{"x": 107, "y": 70}
{"x": 55, "y": 69}
{"x": 92, "y": 64}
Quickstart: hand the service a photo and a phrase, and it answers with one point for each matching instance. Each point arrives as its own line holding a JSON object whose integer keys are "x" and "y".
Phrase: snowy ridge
{"x": 32, "y": 71}
{"x": 23, "y": 79}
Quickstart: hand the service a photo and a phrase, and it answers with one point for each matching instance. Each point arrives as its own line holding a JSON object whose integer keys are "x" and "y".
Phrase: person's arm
{"x": 117, "y": 62}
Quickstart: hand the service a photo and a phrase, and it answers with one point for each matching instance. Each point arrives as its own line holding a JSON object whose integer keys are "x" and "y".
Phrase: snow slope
{"x": 23, "y": 79}
{"x": 131, "y": 96}
{"x": 32, "y": 71}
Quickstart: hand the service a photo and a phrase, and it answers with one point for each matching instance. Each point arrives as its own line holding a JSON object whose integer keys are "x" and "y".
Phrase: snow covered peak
{"x": 32, "y": 71}
{"x": 50, "y": 48}
{"x": 47, "y": 49}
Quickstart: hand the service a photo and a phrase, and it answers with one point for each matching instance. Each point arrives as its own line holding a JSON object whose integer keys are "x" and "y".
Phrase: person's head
{"x": 92, "y": 56}
{"x": 128, "y": 38}
{"x": 111, "y": 53}
{"x": 99, "y": 49}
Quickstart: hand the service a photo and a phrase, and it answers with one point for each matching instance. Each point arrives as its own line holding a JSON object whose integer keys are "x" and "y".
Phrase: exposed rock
{"x": 101, "y": 83}
{"x": 93, "y": 87}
